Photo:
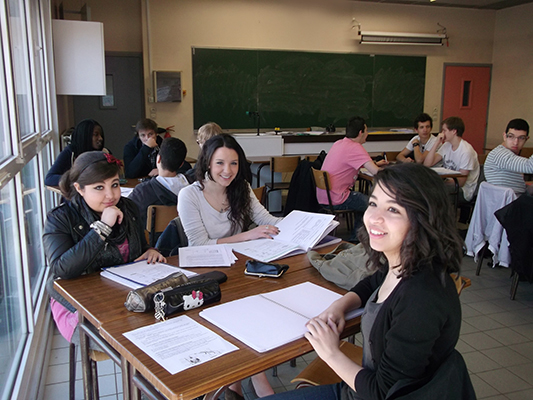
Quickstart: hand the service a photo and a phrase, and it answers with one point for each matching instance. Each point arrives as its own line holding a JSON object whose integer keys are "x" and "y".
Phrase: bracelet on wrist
{"x": 101, "y": 228}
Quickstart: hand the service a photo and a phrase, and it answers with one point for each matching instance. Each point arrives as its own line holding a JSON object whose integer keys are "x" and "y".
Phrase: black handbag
{"x": 186, "y": 297}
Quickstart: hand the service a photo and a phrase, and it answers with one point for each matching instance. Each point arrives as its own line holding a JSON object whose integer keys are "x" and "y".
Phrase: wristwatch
{"x": 416, "y": 144}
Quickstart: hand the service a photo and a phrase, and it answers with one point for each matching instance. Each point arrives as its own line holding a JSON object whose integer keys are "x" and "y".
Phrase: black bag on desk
{"x": 186, "y": 297}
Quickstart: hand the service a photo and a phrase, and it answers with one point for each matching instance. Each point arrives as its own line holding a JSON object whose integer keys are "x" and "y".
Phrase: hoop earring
{"x": 207, "y": 175}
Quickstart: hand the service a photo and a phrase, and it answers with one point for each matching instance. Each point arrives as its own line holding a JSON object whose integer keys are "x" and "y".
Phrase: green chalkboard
{"x": 293, "y": 89}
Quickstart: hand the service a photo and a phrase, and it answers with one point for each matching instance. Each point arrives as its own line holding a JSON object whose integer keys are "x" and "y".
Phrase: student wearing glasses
{"x": 504, "y": 166}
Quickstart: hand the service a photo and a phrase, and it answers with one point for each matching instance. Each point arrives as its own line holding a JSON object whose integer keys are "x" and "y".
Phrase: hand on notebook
{"x": 324, "y": 337}
{"x": 152, "y": 256}
{"x": 334, "y": 313}
{"x": 262, "y": 232}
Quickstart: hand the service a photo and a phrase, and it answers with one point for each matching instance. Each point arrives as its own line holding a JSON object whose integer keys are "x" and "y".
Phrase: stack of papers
{"x": 300, "y": 231}
{"x": 218, "y": 255}
{"x": 140, "y": 274}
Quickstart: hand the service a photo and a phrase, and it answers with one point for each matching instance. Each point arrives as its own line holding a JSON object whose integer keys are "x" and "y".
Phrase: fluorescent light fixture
{"x": 413, "y": 39}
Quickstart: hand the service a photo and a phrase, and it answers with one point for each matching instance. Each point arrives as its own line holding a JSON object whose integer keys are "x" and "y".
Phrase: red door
{"x": 466, "y": 95}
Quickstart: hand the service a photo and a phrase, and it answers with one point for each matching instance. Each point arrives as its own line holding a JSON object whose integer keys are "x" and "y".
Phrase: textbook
{"x": 300, "y": 231}
{"x": 138, "y": 274}
{"x": 269, "y": 320}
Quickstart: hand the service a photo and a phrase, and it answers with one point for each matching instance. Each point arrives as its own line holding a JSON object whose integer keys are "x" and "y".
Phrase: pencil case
{"x": 141, "y": 300}
{"x": 185, "y": 297}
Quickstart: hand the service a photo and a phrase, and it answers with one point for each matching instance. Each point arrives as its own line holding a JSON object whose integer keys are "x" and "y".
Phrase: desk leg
{"x": 85, "y": 362}
{"x": 127, "y": 384}
{"x": 456, "y": 183}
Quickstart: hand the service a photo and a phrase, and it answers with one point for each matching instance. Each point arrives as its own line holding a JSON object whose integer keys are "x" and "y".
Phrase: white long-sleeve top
{"x": 203, "y": 224}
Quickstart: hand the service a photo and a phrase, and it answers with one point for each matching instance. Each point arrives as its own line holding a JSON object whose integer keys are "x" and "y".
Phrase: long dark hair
{"x": 238, "y": 192}
{"x": 90, "y": 167}
{"x": 432, "y": 240}
{"x": 82, "y": 137}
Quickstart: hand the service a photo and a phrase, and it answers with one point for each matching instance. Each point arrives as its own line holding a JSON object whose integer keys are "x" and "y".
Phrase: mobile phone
{"x": 263, "y": 269}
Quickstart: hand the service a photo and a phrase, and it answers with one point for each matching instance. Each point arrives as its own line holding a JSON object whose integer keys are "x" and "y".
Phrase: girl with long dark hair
{"x": 220, "y": 205}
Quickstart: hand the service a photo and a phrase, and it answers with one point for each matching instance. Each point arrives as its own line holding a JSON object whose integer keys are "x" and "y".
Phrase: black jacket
{"x": 72, "y": 248}
{"x": 517, "y": 219}
{"x": 151, "y": 193}
{"x": 414, "y": 333}
{"x": 302, "y": 191}
{"x": 139, "y": 159}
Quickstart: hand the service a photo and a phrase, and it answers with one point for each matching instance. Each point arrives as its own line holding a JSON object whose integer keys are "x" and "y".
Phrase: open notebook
{"x": 269, "y": 320}
{"x": 300, "y": 231}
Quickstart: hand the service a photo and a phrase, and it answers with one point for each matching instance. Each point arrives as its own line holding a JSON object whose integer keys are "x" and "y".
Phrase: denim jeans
{"x": 356, "y": 201}
{"x": 323, "y": 392}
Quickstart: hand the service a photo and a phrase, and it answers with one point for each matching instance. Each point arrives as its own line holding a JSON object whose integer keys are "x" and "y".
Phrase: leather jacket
{"x": 73, "y": 248}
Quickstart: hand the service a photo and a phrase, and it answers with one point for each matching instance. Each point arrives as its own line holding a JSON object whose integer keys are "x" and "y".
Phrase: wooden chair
{"x": 260, "y": 193}
{"x": 321, "y": 179}
{"x": 319, "y": 373}
{"x": 158, "y": 217}
{"x": 282, "y": 164}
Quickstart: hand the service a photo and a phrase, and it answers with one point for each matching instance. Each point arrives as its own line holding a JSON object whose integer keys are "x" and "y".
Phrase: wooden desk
{"x": 101, "y": 302}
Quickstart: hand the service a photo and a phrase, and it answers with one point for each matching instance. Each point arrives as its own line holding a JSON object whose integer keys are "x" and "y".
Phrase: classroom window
{"x": 39, "y": 67}
{"x": 12, "y": 321}
{"x": 25, "y": 125}
{"x": 32, "y": 224}
{"x": 21, "y": 68}
{"x": 5, "y": 138}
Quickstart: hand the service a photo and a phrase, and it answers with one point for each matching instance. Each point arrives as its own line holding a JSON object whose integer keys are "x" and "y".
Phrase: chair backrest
{"x": 321, "y": 179}
{"x": 390, "y": 155}
{"x": 157, "y": 219}
{"x": 259, "y": 193}
{"x": 481, "y": 159}
{"x": 460, "y": 282}
{"x": 284, "y": 163}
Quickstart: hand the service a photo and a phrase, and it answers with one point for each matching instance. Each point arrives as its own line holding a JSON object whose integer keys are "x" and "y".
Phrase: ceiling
{"x": 479, "y": 4}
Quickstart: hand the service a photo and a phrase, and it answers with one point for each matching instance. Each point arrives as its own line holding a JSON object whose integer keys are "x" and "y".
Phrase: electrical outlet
{"x": 153, "y": 113}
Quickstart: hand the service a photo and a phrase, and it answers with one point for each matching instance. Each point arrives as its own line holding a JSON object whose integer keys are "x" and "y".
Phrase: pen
{"x": 385, "y": 156}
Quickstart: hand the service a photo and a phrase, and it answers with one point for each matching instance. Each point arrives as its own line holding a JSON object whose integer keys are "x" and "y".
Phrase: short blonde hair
{"x": 207, "y": 131}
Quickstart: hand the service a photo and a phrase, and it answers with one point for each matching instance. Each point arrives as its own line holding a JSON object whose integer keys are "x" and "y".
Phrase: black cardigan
{"x": 415, "y": 331}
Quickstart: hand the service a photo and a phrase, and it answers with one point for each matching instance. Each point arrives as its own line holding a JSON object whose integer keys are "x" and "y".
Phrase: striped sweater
{"x": 505, "y": 168}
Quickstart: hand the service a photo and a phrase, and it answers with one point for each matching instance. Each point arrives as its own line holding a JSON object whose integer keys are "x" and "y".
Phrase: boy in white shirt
{"x": 418, "y": 147}
{"x": 458, "y": 155}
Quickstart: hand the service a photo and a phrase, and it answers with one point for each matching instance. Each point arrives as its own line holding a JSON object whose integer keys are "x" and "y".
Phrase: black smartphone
{"x": 263, "y": 269}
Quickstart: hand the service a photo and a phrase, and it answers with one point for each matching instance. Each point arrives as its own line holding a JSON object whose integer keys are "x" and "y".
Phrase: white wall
{"x": 512, "y": 73}
{"x": 310, "y": 25}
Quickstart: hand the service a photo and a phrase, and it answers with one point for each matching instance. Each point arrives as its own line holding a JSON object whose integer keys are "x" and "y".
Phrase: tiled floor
{"x": 496, "y": 342}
